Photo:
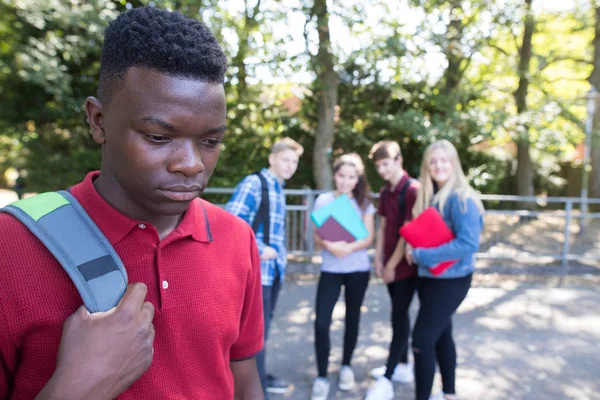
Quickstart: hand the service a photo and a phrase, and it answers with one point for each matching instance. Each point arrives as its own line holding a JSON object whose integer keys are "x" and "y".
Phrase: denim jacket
{"x": 466, "y": 222}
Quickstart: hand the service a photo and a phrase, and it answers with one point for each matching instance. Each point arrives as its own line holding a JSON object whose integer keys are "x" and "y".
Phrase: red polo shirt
{"x": 388, "y": 208}
{"x": 203, "y": 279}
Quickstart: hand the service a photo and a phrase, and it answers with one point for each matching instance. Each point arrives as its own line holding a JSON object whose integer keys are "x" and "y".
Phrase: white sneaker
{"x": 320, "y": 389}
{"x": 382, "y": 389}
{"x": 440, "y": 396}
{"x": 403, "y": 373}
{"x": 346, "y": 381}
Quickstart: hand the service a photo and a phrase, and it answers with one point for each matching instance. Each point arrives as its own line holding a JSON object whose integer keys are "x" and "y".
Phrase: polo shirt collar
{"x": 116, "y": 225}
{"x": 195, "y": 222}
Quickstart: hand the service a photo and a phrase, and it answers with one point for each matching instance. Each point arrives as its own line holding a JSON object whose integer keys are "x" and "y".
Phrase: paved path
{"x": 515, "y": 341}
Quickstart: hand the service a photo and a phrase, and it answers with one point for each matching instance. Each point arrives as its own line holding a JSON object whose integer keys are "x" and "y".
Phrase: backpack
{"x": 401, "y": 200}
{"x": 263, "y": 215}
{"x": 63, "y": 226}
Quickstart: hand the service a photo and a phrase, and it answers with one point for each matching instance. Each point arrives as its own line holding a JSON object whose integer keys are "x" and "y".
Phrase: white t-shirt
{"x": 355, "y": 262}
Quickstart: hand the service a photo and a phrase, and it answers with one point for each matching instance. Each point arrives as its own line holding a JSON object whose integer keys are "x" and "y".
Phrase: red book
{"x": 426, "y": 231}
{"x": 334, "y": 232}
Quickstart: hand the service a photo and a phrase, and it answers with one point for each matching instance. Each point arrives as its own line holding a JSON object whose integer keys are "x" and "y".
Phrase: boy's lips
{"x": 182, "y": 193}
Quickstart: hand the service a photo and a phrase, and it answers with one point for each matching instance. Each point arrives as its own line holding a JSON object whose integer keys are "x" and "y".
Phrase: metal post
{"x": 587, "y": 147}
{"x": 310, "y": 240}
{"x": 567, "y": 235}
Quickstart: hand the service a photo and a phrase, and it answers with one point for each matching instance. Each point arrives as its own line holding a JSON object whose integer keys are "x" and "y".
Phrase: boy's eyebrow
{"x": 160, "y": 122}
{"x": 220, "y": 129}
{"x": 171, "y": 128}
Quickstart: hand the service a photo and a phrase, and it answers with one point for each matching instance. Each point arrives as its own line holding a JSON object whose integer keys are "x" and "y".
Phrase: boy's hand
{"x": 268, "y": 253}
{"x": 102, "y": 354}
{"x": 389, "y": 274}
{"x": 378, "y": 267}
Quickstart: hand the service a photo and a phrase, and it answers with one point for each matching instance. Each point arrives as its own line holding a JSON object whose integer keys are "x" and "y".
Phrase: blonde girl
{"x": 445, "y": 187}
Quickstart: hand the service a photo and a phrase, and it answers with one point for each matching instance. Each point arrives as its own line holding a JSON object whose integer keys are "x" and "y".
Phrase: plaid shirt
{"x": 245, "y": 203}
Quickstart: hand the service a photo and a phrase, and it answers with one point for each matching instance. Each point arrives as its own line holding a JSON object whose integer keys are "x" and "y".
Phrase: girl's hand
{"x": 339, "y": 249}
{"x": 409, "y": 255}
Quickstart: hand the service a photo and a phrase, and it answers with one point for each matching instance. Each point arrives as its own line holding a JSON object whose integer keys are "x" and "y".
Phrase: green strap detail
{"x": 39, "y": 205}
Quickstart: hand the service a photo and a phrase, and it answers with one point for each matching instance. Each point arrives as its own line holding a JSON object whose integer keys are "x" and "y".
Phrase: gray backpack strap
{"x": 63, "y": 226}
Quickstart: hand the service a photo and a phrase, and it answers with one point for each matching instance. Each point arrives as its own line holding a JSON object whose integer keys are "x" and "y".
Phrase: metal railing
{"x": 526, "y": 230}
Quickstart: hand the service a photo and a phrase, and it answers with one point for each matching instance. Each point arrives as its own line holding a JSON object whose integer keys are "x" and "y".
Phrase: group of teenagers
{"x": 405, "y": 270}
{"x": 203, "y": 283}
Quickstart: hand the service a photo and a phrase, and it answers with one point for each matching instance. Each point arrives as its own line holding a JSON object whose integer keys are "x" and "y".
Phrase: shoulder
{"x": 233, "y": 241}
{"x": 324, "y": 199}
{"x": 251, "y": 181}
{"x": 370, "y": 208}
{"x": 414, "y": 183}
{"x": 247, "y": 190}
{"x": 15, "y": 235}
{"x": 325, "y": 196}
{"x": 30, "y": 273}
{"x": 224, "y": 222}
{"x": 463, "y": 203}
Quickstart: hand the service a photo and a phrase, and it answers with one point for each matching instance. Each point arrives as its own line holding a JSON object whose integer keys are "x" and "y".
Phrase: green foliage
{"x": 50, "y": 61}
{"x": 450, "y": 74}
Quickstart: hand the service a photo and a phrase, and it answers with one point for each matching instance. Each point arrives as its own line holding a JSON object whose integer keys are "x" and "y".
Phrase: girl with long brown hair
{"x": 344, "y": 264}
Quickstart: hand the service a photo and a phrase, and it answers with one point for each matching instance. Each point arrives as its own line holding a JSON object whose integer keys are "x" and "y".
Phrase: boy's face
{"x": 160, "y": 139}
{"x": 284, "y": 164}
{"x": 389, "y": 168}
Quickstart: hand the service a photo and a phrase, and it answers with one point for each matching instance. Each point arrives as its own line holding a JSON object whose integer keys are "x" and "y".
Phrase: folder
{"x": 342, "y": 210}
{"x": 334, "y": 232}
{"x": 429, "y": 230}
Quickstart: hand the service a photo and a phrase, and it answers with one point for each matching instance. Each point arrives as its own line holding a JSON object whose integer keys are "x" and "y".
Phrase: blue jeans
{"x": 270, "y": 295}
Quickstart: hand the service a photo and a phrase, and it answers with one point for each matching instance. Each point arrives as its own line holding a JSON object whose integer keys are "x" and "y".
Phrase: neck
{"x": 397, "y": 178}
{"x": 272, "y": 171}
{"x": 337, "y": 193}
{"x": 437, "y": 186}
{"x": 440, "y": 184}
{"x": 114, "y": 195}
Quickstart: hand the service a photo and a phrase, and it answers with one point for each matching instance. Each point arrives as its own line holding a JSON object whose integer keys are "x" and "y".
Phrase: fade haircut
{"x": 160, "y": 40}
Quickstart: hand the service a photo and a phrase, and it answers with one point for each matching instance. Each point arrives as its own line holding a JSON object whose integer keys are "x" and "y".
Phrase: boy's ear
{"x": 93, "y": 109}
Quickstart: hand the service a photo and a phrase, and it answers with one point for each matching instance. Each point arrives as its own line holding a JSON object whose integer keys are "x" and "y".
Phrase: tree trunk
{"x": 239, "y": 62}
{"x": 250, "y": 24}
{"x": 453, "y": 52}
{"x": 524, "y": 164}
{"x": 594, "y": 79}
{"x": 327, "y": 84}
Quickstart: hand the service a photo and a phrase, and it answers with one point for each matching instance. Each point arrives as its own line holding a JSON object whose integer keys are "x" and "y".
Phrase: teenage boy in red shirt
{"x": 190, "y": 324}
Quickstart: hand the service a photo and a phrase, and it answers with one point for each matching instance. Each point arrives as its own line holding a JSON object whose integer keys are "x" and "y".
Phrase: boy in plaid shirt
{"x": 259, "y": 200}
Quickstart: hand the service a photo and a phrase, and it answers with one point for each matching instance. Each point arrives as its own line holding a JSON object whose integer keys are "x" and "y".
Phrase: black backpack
{"x": 262, "y": 214}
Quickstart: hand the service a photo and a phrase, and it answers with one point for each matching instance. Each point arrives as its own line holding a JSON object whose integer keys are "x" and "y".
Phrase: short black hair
{"x": 161, "y": 40}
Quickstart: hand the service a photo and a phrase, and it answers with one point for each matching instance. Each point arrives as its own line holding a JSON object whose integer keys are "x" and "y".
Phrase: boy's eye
{"x": 211, "y": 142}
{"x": 157, "y": 138}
